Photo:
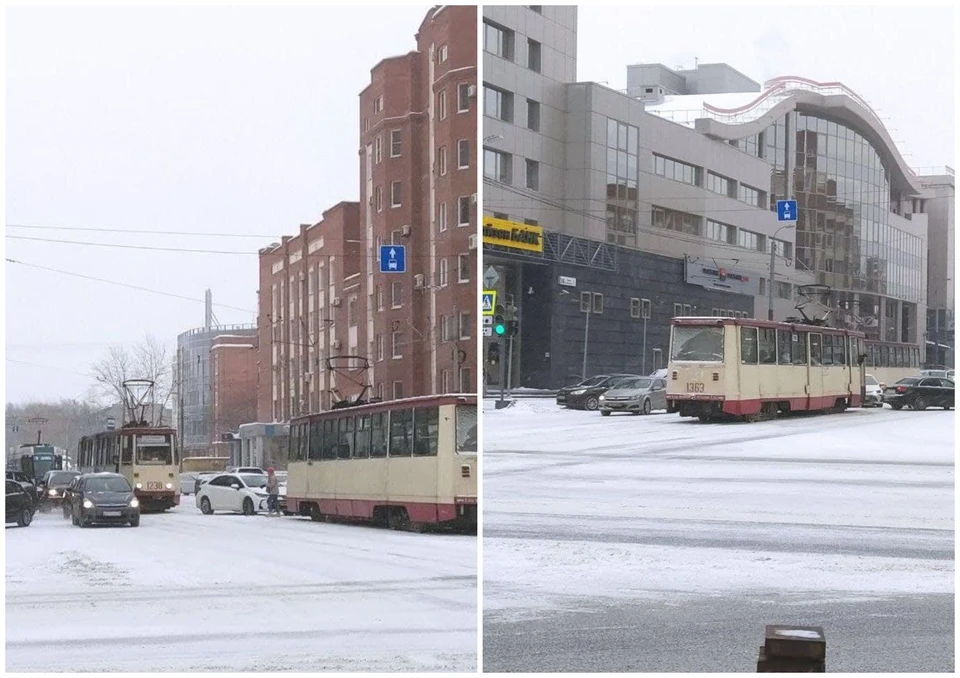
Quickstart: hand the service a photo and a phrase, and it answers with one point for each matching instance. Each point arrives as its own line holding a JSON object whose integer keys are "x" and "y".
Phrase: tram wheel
{"x": 705, "y": 418}
{"x": 315, "y": 514}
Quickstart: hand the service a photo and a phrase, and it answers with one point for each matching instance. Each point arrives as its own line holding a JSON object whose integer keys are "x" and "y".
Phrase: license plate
{"x": 154, "y": 486}
{"x": 112, "y": 514}
{"x": 694, "y": 387}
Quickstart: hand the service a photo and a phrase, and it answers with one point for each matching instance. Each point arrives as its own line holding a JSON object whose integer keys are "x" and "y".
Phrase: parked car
{"x": 920, "y": 393}
{"x": 20, "y": 505}
{"x": 641, "y": 395}
{"x": 104, "y": 498}
{"x": 54, "y": 485}
{"x": 246, "y": 469}
{"x": 238, "y": 492}
{"x": 586, "y": 394}
{"x": 26, "y": 483}
{"x": 201, "y": 479}
{"x": 874, "y": 392}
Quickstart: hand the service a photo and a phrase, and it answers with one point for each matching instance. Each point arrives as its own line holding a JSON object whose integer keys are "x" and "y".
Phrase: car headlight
{"x": 87, "y": 503}
{"x": 603, "y": 398}
{"x": 134, "y": 503}
{"x": 579, "y": 391}
{"x": 139, "y": 486}
{"x": 169, "y": 486}
{"x": 52, "y": 493}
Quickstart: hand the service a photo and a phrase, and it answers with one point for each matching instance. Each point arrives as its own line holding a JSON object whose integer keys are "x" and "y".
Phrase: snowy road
{"x": 187, "y": 592}
{"x": 628, "y": 543}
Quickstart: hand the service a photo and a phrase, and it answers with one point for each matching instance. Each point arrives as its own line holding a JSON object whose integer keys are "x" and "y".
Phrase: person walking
{"x": 273, "y": 492}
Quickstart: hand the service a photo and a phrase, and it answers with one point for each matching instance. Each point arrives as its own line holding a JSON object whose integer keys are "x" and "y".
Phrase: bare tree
{"x": 148, "y": 360}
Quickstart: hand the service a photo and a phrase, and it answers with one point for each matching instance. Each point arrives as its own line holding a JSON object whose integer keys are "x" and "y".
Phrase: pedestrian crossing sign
{"x": 489, "y": 302}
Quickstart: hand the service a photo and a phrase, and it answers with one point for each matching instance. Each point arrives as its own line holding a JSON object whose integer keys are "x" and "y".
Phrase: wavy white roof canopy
{"x": 741, "y": 114}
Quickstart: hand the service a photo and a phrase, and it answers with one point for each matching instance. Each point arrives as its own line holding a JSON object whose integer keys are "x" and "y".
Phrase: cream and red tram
{"x": 403, "y": 463}
{"x": 722, "y": 368}
{"x": 145, "y": 455}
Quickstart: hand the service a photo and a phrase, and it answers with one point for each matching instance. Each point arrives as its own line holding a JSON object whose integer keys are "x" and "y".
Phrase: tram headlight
{"x": 134, "y": 503}
{"x": 87, "y": 504}
{"x": 169, "y": 486}
{"x": 52, "y": 493}
{"x": 139, "y": 486}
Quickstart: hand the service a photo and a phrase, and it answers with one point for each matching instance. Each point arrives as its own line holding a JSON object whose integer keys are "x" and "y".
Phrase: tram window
{"x": 331, "y": 439}
{"x": 798, "y": 348}
{"x": 345, "y": 449}
{"x": 315, "y": 449}
{"x": 815, "y": 355}
{"x": 126, "y": 450}
{"x": 362, "y": 445}
{"x": 783, "y": 347}
{"x": 378, "y": 435}
{"x": 401, "y": 433}
{"x": 768, "y": 346}
{"x": 426, "y": 431}
{"x": 748, "y": 345}
{"x": 839, "y": 352}
{"x": 303, "y": 448}
{"x": 826, "y": 357}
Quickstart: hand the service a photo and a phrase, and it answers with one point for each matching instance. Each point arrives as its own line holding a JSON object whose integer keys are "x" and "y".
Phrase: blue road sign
{"x": 393, "y": 259}
{"x": 786, "y": 210}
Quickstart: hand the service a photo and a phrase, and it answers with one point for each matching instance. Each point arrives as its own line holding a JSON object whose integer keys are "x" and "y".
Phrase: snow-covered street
{"x": 592, "y": 523}
{"x": 187, "y": 592}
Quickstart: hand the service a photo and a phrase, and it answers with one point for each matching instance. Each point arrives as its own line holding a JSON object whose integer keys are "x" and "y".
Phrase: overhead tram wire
{"x": 145, "y": 232}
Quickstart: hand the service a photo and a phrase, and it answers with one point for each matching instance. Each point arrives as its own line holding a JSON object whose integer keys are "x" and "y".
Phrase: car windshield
{"x": 593, "y": 381}
{"x": 635, "y": 383}
{"x": 703, "y": 344}
{"x": 111, "y": 484}
{"x": 908, "y": 381}
{"x": 872, "y": 380}
{"x": 466, "y": 429}
{"x": 254, "y": 480}
{"x": 61, "y": 478}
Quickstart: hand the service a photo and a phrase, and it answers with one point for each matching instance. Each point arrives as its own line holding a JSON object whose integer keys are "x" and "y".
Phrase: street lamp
{"x": 773, "y": 261}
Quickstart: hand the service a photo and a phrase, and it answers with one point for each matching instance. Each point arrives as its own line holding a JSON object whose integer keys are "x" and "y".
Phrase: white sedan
{"x": 239, "y": 492}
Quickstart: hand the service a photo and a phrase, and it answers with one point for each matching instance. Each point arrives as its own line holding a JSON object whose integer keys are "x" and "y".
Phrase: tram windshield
{"x": 466, "y": 429}
{"x": 154, "y": 450}
{"x": 702, "y": 344}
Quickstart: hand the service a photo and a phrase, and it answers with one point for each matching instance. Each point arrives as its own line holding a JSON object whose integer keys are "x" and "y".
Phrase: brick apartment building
{"x": 321, "y": 293}
{"x": 233, "y": 383}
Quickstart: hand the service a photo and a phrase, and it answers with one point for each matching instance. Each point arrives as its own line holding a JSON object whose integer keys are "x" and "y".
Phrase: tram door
{"x": 815, "y": 371}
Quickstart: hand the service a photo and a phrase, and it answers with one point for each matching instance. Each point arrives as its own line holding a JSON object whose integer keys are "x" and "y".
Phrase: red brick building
{"x": 233, "y": 383}
{"x": 321, "y": 293}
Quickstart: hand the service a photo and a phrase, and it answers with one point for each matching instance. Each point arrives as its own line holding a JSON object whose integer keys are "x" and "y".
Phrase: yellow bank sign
{"x": 512, "y": 234}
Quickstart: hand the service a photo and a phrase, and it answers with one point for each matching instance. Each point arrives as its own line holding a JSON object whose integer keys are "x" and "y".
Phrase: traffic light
{"x": 493, "y": 353}
{"x": 513, "y": 328}
{"x": 499, "y": 322}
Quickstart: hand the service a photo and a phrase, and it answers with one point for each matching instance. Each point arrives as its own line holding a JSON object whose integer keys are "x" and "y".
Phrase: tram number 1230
{"x": 694, "y": 387}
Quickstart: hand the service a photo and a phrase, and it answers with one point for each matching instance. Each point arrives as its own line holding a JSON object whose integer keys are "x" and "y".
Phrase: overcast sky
{"x": 229, "y": 120}
{"x": 900, "y": 59}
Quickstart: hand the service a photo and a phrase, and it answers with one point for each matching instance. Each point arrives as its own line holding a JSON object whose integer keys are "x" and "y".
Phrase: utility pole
{"x": 586, "y": 336}
{"x": 773, "y": 263}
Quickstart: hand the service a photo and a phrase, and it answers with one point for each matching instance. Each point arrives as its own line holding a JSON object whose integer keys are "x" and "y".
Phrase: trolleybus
{"x": 404, "y": 463}
{"x": 38, "y": 458}
{"x": 723, "y": 368}
{"x": 145, "y": 455}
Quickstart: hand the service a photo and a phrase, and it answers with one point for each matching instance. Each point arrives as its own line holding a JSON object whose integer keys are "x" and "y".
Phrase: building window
{"x": 463, "y": 154}
{"x": 377, "y": 149}
{"x": 720, "y": 232}
{"x": 379, "y": 297}
{"x": 397, "y": 390}
{"x": 634, "y": 307}
{"x": 366, "y": 125}
{"x": 533, "y": 115}
{"x": 442, "y": 54}
{"x": 464, "y": 325}
{"x": 676, "y": 170}
{"x": 352, "y": 311}
{"x": 533, "y": 175}
{"x": 444, "y": 273}
{"x": 748, "y": 239}
{"x": 463, "y": 210}
{"x": 395, "y": 146}
{"x": 597, "y": 303}
{"x": 750, "y": 195}
{"x": 463, "y": 97}
{"x": 781, "y": 247}
{"x": 445, "y": 381}
{"x": 720, "y": 185}
{"x": 497, "y": 103}
{"x": 395, "y": 194}
{"x": 442, "y": 160}
{"x": 784, "y": 290}
{"x": 377, "y": 105}
{"x": 498, "y": 40}
{"x": 687, "y": 309}
{"x": 397, "y": 344}
{"x": 442, "y": 216}
{"x": 676, "y": 221}
{"x": 497, "y": 165}
{"x": 463, "y": 268}
{"x": 585, "y": 298}
{"x": 442, "y": 104}
{"x": 677, "y": 310}
{"x": 533, "y": 55}
{"x": 396, "y": 295}
{"x": 444, "y": 328}
{"x": 378, "y": 198}
{"x": 466, "y": 385}
{"x": 378, "y": 347}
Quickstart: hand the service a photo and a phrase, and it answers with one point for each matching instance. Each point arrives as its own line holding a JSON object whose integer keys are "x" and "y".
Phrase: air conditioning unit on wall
{"x": 418, "y": 281}
{"x": 335, "y": 344}
{"x": 471, "y": 90}
{"x": 405, "y": 231}
{"x": 335, "y": 302}
{"x": 472, "y": 241}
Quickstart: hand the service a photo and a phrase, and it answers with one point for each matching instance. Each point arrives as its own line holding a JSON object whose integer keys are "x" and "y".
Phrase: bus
{"x": 405, "y": 463}
{"x": 748, "y": 369}
{"x": 145, "y": 455}
{"x": 38, "y": 458}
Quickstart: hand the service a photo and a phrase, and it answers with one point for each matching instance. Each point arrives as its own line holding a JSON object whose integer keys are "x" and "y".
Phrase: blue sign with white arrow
{"x": 393, "y": 259}
{"x": 786, "y": 210}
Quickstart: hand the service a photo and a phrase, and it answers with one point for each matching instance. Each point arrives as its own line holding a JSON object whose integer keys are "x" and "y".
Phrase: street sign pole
{"x": 502, "y": 382}
{"x": 510, "y": 365}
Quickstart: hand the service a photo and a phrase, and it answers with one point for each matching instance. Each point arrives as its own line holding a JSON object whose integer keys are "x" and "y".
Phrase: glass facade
{"x": 623, "y": 147}
{"x": 844, "y": 235}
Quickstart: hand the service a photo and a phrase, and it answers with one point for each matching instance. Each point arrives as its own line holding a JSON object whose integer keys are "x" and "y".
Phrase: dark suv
{"x": 54, "y": 485}
{"x": 19, "y": 504}
{"x": 103, "y": 498}
{"x": 26, "y": 483}
{"x": 586, "y": 394}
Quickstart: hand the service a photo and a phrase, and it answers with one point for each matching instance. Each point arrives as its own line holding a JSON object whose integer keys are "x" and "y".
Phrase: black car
{"x": 920, "y": 393}
{"x": 26, "y": 483}
{"x": 586, "y": 394}
{"x": 54, "y": 485}
{"x": 103, "y": 498}
{"x": 20, "y": 504}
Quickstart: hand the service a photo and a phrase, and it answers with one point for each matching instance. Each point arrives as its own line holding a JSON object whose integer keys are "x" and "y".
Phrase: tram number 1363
{"x": 694, "y": 387}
